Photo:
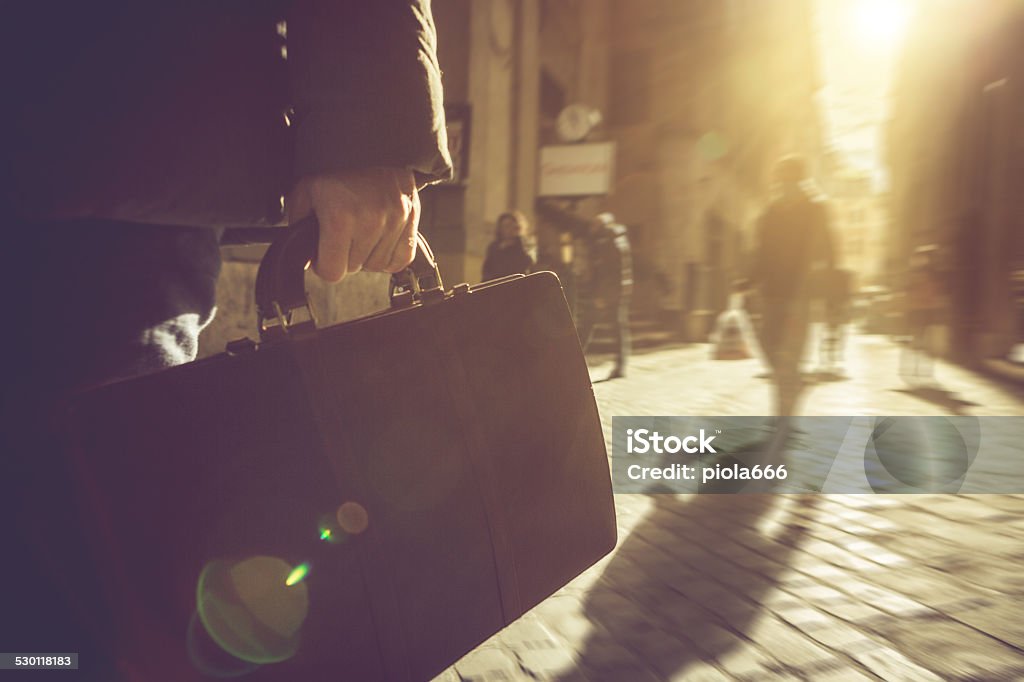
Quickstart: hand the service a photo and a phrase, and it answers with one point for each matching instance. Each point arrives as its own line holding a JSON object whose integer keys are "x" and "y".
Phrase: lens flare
{"x": 353, "y": 518}
{"x": 297, "y": 575}
{"x": 208, "y": 657}
{"x": 712, "y": 146}
{"x": 254, "y": 609}
{"x": 329, "y": 530}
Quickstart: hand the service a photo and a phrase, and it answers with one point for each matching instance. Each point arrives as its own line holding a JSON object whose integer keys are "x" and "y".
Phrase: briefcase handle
{"x": 282, "y": 304}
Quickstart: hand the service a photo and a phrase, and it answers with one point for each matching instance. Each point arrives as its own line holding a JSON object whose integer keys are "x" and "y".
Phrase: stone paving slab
{"x": 785, "y": 587}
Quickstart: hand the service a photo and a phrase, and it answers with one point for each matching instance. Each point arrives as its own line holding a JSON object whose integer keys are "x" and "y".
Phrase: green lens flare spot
{"x": 254, "y": 609}
{"x": 297, "y": 575}
{"x": 329, "y": 530}
{"x": 712, "y": 146}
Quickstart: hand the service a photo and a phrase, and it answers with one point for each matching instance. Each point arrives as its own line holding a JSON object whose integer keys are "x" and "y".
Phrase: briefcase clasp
{"x": 420, "y": 282}
{"x": 282, "y": 304}
{"x": 300, "y": 318}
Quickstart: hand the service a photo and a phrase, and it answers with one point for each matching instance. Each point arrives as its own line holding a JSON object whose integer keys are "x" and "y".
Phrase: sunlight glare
{"x": 882, "y": 23}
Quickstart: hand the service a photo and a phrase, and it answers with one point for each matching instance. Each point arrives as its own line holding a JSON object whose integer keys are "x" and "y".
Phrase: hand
{"x": 368, "y": 219}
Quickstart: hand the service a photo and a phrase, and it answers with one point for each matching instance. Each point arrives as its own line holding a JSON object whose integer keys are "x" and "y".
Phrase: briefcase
{"x": 367, "y": 501}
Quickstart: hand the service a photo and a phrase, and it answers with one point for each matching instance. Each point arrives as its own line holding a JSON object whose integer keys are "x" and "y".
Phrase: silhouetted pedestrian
{"x": 609, "y": 285}
{"x": 793, "y": 241}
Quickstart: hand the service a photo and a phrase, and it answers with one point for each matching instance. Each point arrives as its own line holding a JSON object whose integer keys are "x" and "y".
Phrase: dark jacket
{"x": 175, "y": 112}
{"x": 793, "y": 240}
{"x": 502, "y": 261}
{"x": 610, "y": 263}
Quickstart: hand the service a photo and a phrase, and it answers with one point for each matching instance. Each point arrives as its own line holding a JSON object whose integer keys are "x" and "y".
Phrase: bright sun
{"x": 881, "y": 23}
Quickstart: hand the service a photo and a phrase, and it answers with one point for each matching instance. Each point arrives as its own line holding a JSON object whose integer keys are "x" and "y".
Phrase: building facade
{"x": 859, "y": 222}
{"x": 956, "y": 154}
{"x": 510, "y": 67}
{"x": 698, "y": 97}
{"x": 703, "y": 97}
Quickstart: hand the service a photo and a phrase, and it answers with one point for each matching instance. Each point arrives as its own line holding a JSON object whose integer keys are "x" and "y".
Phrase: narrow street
{"x": 834, "y": 587}
{"x": 295, "y": 395}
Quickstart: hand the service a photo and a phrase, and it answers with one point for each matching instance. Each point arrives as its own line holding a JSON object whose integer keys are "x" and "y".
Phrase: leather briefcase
{"x": 361, "y": 502}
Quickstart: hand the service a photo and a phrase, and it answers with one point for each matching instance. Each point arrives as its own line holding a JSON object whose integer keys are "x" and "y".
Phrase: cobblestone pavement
{"x": 823, "y": 587}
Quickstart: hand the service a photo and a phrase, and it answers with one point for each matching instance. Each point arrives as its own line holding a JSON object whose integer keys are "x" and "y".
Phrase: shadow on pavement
{"x": 825, "y": 376}
{"x": 686, "y": 584}
{"x": 942, "y": 397}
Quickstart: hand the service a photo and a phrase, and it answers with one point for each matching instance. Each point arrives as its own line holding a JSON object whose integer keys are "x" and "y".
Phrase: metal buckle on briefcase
{"x": 287, "y": 322}
{"x": 282, "y": 305}
{"x": 421, "y": 281}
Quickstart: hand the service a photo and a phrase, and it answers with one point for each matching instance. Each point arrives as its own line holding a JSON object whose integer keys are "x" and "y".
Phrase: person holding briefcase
{"x": 134, "y": 132}
{"x": 135, "y": 125}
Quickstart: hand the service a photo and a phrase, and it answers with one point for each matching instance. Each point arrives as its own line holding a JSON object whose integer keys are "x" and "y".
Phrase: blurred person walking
{"x": 507, "y": 254}
{"x": 836, "y": 291}
{"x": 924, "y": 303}
{"x": 609, "y": 286}
{"x": 792, "y": 242}
{"x": 733, "y": 336}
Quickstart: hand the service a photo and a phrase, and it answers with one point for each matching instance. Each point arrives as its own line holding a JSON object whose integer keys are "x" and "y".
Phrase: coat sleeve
{"x": 366, "y": 87}
{"x": 625, "y": 252}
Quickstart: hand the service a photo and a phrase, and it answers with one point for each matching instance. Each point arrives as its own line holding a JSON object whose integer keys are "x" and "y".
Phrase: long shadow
{"x": 942, "y": 397}
{"x": 826, "y": 376}
{"x": 687, "y": 582}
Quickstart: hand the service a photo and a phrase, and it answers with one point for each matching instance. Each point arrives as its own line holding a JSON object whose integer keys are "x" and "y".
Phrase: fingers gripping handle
{"x": 421, "y": 281}
{"x": 280, "y": 283}
{"x": 282, "y": 304}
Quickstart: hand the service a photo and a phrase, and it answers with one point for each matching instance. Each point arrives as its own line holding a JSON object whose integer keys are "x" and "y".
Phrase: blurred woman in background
{"x": 507, "y": 254}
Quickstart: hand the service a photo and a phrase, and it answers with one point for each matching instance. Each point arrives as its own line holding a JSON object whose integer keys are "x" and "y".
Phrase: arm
{"x": 366, "y": 88}
{"x": 369, "y": 126}
{"x": 626, "y": 270}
